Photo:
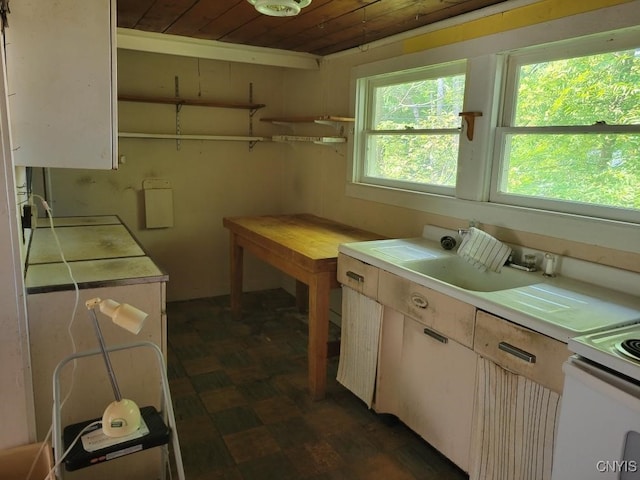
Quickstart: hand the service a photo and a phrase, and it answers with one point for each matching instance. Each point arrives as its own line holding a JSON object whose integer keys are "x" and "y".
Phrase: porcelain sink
{"x": 455, "y": 270}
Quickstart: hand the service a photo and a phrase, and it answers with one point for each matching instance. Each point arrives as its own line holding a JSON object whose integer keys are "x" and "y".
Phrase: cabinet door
{"x": 61, "y": 83}
{"x": 436, "y": 391}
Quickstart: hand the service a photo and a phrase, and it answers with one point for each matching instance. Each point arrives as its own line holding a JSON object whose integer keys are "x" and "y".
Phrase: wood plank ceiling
{"x": 322, "y": 28}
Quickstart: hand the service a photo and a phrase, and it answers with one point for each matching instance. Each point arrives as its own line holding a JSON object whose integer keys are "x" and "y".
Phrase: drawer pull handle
{"x": 419, "y": 301}
{"x": 353, "y": 275}
{"x": 516, "y": 352}
{"x": 435, "y": 335}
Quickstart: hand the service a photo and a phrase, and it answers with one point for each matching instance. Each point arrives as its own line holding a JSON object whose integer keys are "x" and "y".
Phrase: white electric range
{"x": 617, "y": 350}
{"x": 599, "y": 429}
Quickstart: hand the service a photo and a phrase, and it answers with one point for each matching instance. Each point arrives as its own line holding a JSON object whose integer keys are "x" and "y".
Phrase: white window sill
{"x": 591, "y": 231}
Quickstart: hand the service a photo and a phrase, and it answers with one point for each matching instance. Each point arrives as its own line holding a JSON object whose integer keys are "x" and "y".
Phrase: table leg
{"x": 236, "y": 256}
{"x": 319, "y": 289}
{"x": 302, "y": 296}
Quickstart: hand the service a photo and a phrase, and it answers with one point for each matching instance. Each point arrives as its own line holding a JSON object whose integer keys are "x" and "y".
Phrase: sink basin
{"x": 455, "y": 270}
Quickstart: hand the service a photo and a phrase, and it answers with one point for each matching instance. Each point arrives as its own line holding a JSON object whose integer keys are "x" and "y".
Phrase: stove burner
{"x": 630, "y": 347}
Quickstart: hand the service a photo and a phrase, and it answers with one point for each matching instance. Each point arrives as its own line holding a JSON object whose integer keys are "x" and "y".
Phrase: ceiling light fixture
{"x": 279, "y": 8}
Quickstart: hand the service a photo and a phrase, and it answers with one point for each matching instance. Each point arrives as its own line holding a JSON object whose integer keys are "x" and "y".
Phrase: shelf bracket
{"x": 178, "y": 108}
{"x": 470, "y": 118}
{"x": 252, "y": 112}
{"x": 337, "y": 126}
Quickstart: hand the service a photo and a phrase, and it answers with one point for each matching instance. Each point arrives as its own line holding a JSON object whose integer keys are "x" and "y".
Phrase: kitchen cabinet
{"x": 436, "y": 390}
{"x": 61, "y": 75}
{"x": 518, "y": 398}
{"x": 107, "y": 262}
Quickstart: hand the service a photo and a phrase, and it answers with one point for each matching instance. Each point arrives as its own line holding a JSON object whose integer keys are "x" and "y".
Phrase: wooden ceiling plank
{"x": 378, "y": 28}
{"x": 201, "y": 14}
{"x": 229, "y": 21}
{"x": 131, "y": 11}
{"x": 162, "y": 14}
{"x": 359, "y": 19}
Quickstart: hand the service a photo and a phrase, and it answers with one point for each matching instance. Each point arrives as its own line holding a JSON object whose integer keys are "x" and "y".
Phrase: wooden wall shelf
{"x": 172, "y": 136}
{"x": 308, "y": 139}
{"x": 310, "y": 119}
{"x": 190, "y": 102}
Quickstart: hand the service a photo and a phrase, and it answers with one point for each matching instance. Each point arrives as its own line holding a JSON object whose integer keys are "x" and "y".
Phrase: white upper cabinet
{"x": 61, "y": 72}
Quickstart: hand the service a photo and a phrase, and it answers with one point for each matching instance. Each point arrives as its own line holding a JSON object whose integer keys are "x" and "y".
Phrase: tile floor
{"x": 243, "y": 412}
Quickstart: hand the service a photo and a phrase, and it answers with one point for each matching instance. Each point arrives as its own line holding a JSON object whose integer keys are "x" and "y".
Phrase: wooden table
{"x": 305, "y": 247}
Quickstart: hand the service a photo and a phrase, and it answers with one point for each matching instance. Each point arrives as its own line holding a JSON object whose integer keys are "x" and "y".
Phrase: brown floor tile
{"x": 313, "y": 458}
{"x": 251, "y": 444}
{"x": 326, "y": 417}
{"x": 200, "y": 365}
{"x": 222, "y": 399}
{"x": 180, "y": 387}
{"x": 380, "y": 466}
{"x": 197, "y": 429}
{"x": 275, "y": 409}
{"x": 243, "y": 375}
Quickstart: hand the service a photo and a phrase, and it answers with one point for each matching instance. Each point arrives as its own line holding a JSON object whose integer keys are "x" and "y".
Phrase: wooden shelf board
{"x": 311, "y": 119}
{"x": 190, "y": 102}
{"x": 170, "y": 136}
{"x": 308, "y": 139}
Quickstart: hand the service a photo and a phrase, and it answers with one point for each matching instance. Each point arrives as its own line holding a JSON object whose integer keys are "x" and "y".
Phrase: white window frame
{"x": 615, "y": 41}
{"x": 365, "y": 130}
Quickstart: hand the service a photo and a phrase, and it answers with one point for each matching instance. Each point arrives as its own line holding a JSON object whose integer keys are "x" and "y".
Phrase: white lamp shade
{"x": 279, "y": 8}
{"x": 124, "y": 315}
{"x": 121, "y": 418}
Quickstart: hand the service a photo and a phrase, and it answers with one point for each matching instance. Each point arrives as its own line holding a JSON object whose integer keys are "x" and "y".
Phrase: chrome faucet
{"x": 464, "y": 231}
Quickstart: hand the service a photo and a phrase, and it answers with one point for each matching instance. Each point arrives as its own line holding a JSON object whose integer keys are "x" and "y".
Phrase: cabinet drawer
{"x": 451, "y": 317}
{"x": 521, "y": 350}
{"x": 358, "y": 275}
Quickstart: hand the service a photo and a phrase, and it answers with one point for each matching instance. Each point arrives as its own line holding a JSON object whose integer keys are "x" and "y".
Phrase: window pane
{"x": 580, "y": 91}
{"x": 425, "y": 104}
{"x": 602, "y": 169}
{"x": 430, "y": 159}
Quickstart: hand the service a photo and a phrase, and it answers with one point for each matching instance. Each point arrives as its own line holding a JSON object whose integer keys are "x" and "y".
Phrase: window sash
{"x": 365, "y": 119}
{"x": 498, "y": 172}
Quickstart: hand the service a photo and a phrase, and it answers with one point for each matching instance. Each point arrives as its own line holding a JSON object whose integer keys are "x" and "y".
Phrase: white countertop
{"x": 100, "y": 251}
{"x": 559, "y": 307}
{"x": 82, "y": 242}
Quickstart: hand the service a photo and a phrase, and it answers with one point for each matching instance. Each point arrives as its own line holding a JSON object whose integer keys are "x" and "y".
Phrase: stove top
{"x": 630, "y": 347}
{"x": 617, "y": 349}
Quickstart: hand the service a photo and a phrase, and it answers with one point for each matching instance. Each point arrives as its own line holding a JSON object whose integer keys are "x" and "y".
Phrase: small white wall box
{"x": 158, "y": 203}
